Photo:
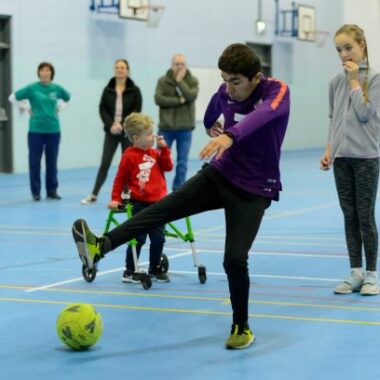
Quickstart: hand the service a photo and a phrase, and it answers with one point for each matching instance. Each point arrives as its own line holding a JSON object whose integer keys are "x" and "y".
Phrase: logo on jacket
{"x": 145, "y": 169}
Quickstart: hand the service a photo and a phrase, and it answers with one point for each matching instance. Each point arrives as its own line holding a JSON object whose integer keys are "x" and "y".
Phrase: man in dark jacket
{"x": 176, "y": 93}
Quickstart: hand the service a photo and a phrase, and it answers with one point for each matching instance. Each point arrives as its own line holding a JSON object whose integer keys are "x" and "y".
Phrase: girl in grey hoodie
{"x": 353, "y": 151}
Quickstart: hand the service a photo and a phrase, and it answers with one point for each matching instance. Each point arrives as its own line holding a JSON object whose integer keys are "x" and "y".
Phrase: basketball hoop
{"x": 151, "y": 14}
{"x": 319, "y": 37}
{"x": 141, "y": 10}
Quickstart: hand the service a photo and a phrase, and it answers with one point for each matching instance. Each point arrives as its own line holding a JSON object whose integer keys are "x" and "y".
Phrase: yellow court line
{"x": 224, "y": 300}
{"x": 14, "y": 287}
{"x": 194, "y": 311}
{"x": 199, "y": 298}
{"x": 220, "y": 299}
{"x": 316, "y": 319}
{"x": 321, "y": 306}
{"x": 133, "y": 294}
{"x": 118, "y": 293}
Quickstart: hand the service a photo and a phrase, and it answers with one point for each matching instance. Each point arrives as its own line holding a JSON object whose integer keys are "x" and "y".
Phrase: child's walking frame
{"x": 170, "y": 231}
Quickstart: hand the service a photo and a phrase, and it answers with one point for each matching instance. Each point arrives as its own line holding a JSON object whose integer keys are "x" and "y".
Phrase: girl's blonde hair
{"x": 358, "y": 35}
{"x": 135, "y": 124}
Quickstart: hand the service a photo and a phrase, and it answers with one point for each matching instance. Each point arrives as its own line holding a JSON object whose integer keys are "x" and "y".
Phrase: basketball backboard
{"x": 134, "y": 9}
{"x": 306, "y": 23}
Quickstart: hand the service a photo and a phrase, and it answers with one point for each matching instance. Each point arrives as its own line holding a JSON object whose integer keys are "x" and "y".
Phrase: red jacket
{"x": 143, "y": 172}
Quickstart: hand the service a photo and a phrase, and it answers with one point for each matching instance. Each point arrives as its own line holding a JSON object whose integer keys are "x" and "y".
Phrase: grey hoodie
{"x": 354, "y": 124}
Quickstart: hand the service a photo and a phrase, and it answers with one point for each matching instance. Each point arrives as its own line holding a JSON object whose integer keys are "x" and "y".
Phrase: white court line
{"x": 189, "y": 252}
{"x": 76, "y": 279}
{"x": 301, "y": 238}
{"x": 301, "y": 211}
{"x": 271, "y": 276}
{"x": 308, "y": 255}
{"x": 337, "y": 238}
{"x": 286, "y": 214}
{"x": 279, "y": 215}
{"x": 18, "y": 227}
{"x": 254, "y": 252}
{"x": 34, "y": 233}
{"x": 186, "y": 253}
{"x": 297, "y": 278}
{"x": 7, "y": 228}
{"x": 292, "y": 243}
{"x": 302, "y": 244}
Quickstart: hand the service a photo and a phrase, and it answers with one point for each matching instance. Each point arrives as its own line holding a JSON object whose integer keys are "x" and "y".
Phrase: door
{"x": 6, "y": 158}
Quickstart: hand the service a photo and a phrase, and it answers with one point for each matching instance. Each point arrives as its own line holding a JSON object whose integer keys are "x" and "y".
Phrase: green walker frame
{"x": 170, "y": 231}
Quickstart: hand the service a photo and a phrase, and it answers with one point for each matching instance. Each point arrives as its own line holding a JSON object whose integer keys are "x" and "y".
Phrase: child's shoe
{"x": 130, "y": 277}
{"x": 241, "y": 337}
{"x": 158, "y": 274}
{"x": 370, "y": 284}
{"x": 53, "y": 196}
{"x": 89, "y": 246}
{"x": 351, "y": 284}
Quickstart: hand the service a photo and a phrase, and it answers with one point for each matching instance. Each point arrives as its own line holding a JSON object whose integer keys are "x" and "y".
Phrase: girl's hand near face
{"x": 352, "y": 70}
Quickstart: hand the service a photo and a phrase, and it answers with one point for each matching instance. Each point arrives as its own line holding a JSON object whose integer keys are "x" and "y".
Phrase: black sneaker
{"x": 54, "y": 196}
{"x": 158, "y": 275}
{"x": 130, "y": 277}
{"x": 36, "y": 197}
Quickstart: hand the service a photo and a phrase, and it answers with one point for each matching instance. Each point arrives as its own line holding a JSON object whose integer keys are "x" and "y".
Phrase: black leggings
{"x": 110, "y": 145}
{"x": 356, "y": 181}
{"x": 209, "y": 190}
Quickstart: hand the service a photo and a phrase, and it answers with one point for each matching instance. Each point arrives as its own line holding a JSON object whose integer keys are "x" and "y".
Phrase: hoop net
{"x": 318, "y": 36}
{"x": 155, "y": 14}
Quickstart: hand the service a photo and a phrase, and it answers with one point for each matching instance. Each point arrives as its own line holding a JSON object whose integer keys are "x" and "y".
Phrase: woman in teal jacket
{"x": 44, "y": 128}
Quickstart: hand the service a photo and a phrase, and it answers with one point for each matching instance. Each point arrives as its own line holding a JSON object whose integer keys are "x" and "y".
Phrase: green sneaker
{"x": 241, "y": 337}
{"x": 88, "y": 245}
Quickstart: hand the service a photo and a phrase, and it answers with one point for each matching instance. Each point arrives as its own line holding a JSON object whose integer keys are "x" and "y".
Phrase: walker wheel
{"x": 202, "y": 274}
{"x": 89, "y": 274}
{"x": 146, "y": 281}
{"x": 164, "y": 263}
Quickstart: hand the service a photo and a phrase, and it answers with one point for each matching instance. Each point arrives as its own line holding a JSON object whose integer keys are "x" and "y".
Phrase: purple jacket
{"x": 258, "y": 128}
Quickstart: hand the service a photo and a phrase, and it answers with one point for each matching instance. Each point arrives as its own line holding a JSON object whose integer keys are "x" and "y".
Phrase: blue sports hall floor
{"x": 177, "y": 330}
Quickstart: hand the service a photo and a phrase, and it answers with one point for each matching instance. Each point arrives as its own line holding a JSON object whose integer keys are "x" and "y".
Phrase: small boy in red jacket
{"x": 142, "y": 169}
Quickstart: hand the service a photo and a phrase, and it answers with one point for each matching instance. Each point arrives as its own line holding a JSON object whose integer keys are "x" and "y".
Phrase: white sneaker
{"x": 370, "y": 285}
{"x": 351, "y": 284}
{"x": 90, "y": 199}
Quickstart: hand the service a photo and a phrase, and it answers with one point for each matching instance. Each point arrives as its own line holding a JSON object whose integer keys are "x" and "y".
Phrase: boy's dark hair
{"x": 240, "y": 59}
{"x": 49, "y": 66}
